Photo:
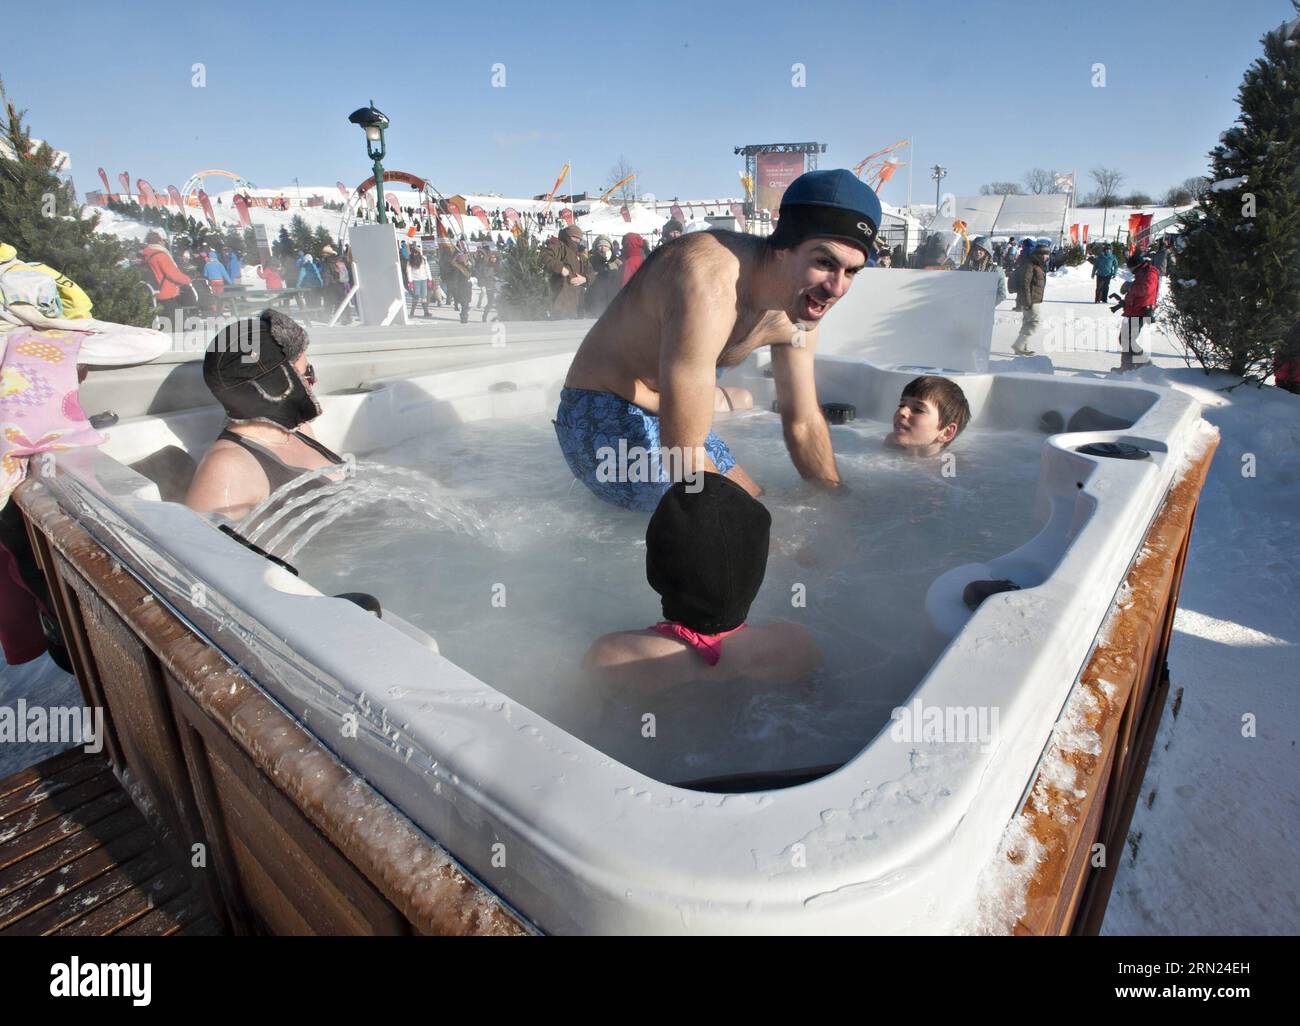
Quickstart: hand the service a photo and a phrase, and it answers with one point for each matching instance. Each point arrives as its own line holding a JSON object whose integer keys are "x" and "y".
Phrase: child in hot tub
{"x": 706, "y": 554}
{"x": 932, "y": 412}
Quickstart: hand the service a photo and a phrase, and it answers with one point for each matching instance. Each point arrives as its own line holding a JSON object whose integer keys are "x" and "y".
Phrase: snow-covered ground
{"x": 1213, "y": 840}
{"x": 1212, "y": 846}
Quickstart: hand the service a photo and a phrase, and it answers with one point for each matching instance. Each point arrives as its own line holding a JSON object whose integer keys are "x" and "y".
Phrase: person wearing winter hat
{"x": 174, "y": 288}
{"x": 606, "y": 277}
{"x": 257, "y": 370}
{"x": 671, "y": 230}
{"x": 1030, "y": 278}
{"x": 568, "y": 270}
{"x": 706, "y": 556}
{"x": 980, "y": 258}
{"x": 216, "y": 273}
{"x": 643, "y": 380}
{"x": 1140, "y": 297}
{"x": 633, "y": 255}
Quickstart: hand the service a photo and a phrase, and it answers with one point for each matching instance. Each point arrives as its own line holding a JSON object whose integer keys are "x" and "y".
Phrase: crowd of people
{"x": 198, "y": 279}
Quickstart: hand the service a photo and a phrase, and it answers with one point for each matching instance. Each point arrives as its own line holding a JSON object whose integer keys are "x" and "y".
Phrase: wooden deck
{"x": 78, "y": 859}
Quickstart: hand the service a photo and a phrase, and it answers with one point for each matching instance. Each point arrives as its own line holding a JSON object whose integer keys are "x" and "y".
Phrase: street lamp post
{"x": 938, "y": 172}
{"x": 374, "y": 122}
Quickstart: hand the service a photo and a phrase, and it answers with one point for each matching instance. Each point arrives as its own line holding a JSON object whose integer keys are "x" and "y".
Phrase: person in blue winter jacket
{"x": 233, "y": 266}
{"x": 309, "y": 277}
{"x": 1104, "y": 267}
{"x": 215, "y": 271}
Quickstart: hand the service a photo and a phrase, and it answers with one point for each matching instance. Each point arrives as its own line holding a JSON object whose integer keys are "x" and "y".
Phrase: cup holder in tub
{"x": 1114, "y": 451}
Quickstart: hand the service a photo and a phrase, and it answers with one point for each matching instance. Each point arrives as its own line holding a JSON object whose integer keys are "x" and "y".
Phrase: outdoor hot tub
{"x": 816, "y": 814}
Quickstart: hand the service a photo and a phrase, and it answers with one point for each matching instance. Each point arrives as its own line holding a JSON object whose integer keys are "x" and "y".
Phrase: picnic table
{"x": 238, "y": 300}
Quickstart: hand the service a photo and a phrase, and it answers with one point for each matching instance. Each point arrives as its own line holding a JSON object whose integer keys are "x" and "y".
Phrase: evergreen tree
{"x": 300, "y": 232}
{"x": 320, "y": 239}
{"x": 283, "y": 245}
{"x": 525, "y": 292}
{"x": 1236, "y": 283}
{"x": 233, "y": 240}
{"x": 197, "y": 237}
{"x": 41, "y": 218}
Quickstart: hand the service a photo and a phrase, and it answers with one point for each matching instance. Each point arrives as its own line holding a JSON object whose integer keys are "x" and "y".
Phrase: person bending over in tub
{"x": 932, "y": 411}
{"x": 644, "y": 377}
{"x": 706, "y": 554}
{"x": 257, "y": 369}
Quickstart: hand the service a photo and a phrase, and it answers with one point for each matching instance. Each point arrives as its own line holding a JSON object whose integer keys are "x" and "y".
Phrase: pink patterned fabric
{"x": 39, "y": 408}
{"x": 708, "y": 645}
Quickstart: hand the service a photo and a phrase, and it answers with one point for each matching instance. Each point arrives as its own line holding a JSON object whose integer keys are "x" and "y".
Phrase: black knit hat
{"x": 248, "y": 367}
{"x": 706, "y": 553}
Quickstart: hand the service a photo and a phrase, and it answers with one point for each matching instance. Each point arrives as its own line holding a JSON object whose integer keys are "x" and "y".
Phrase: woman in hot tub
{"x": 257, "y": 369}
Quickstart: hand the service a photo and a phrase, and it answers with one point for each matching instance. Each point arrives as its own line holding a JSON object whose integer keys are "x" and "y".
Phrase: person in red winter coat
{"x": 1139, "y": 306}
{"x": 633, "y": 255}
{"x": 173, "y": 283}
{"x": 271, "y": 276}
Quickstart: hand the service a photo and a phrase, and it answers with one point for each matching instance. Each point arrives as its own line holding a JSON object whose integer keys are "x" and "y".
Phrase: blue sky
{"x": 987, "y": 88}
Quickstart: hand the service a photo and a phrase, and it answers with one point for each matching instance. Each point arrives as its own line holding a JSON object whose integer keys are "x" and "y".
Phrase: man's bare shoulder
{"x": 710, "y": 262}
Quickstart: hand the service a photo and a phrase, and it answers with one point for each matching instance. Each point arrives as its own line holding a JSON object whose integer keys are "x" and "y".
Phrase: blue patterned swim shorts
{"x": 612, "y": 446}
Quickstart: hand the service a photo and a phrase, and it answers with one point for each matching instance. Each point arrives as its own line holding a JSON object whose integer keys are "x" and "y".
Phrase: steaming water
{"x": 488, "y": 513}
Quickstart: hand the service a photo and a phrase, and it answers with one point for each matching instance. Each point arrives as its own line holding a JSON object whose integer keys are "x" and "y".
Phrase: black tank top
{"x": 278, "y": 473}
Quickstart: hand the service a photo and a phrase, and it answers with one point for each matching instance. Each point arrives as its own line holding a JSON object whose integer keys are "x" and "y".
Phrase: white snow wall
{"x": 898, "y": 317}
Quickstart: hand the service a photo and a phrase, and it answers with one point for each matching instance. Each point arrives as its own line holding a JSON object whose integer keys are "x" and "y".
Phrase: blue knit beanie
{"x": 828, "y": 205}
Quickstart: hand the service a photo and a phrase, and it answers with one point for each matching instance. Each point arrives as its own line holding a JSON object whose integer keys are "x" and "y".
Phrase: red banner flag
{"x": 566, "y": 215}
{"x": 241, "y": 205}
{"x": 206, "y": 204}
{"x": 343, "y": 189}
{"x": 175, "y": 195}
{"x": 125, "y": 179}
{"x": 512, "y": 215}
{"x": 676, "y": 212}
{"x": 1085, "y": 234}
{"x": 627, "y": 214}
{"x": 147, "y": 197}
{"x": 455, "y": 212}
{"x": 1074, "y": 234}
{"x": 1134, "y": 221}
{"x": 1144, "y": 231}
{"x": 108, "y": 189}
{"x": 738, "y": 212}
{"x": 481, "y": 214}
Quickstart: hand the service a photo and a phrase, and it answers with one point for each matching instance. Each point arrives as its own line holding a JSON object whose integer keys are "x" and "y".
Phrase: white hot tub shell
{"x": 891, "y": 842}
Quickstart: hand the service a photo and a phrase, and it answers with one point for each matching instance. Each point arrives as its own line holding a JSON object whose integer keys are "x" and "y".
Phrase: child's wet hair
{"x": 948, "y": 399}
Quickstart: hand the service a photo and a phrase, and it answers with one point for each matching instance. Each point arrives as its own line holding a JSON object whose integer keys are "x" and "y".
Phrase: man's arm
{"x": 807, "y": 437}
{"x": 696, "y": 324}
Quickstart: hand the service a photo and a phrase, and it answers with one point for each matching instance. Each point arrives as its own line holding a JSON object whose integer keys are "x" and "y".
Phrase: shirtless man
{"x": 644, "y": 378}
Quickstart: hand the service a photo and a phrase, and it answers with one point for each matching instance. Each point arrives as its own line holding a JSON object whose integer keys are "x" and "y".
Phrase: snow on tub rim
{"x": 892, "y": 842}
